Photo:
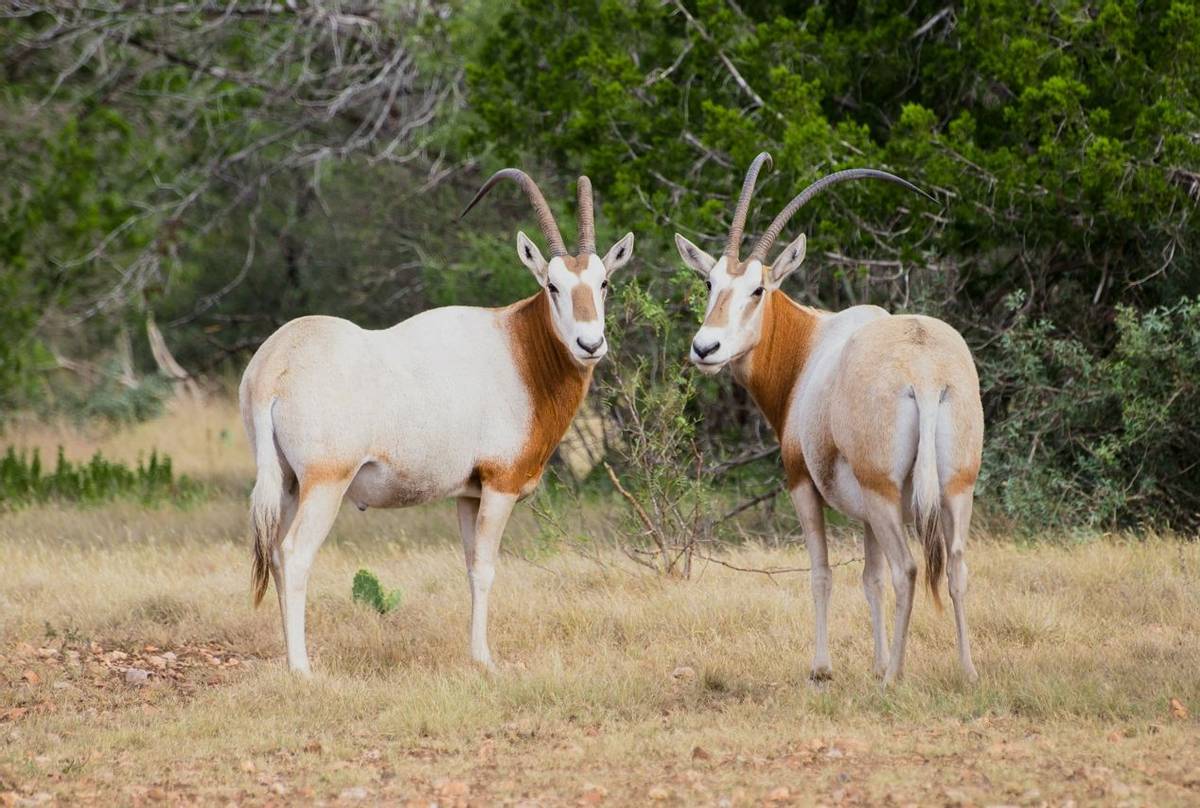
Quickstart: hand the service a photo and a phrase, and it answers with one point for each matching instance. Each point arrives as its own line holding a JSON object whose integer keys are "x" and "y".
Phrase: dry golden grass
{"x": 1080, "y": 650}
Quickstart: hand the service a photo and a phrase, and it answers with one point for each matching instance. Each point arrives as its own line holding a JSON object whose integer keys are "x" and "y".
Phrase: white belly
{"x": 380, "y": 485}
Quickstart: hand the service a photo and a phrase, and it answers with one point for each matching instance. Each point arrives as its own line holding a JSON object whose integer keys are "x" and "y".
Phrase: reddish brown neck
{"x": 770, "y": 369}
{"x": 556, "y": 387}
{"x": 553, "y": 378}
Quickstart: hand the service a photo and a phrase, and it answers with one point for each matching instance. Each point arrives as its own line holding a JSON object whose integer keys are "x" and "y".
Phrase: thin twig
{"x": 750, "y": 503}
{"x": 644, "y": 517}
{"x": 771, "y": 572}
{"x": 741, "y": 460}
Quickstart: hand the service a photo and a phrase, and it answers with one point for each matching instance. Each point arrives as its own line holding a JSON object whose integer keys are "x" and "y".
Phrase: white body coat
{"x": 413, "y": 408}
{"x": 455, "y": 402}
{"x": 877, "y": 415}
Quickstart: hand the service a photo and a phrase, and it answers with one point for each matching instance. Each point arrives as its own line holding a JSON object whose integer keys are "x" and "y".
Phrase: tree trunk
{"x": 185, "y": 384}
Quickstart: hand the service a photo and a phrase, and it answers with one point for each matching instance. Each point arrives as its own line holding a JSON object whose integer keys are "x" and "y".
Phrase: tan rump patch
{"x": 556, "y": 387}
{"x": 917, "y": 334}
{"x": 318, "y": 474}
{"x": 879, "y": 482}
{"x": 962, "y": 481}
{"x": 583, "y": 303}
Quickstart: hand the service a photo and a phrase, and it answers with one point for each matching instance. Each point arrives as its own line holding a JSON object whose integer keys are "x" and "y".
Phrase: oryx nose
{"x": 704, "y": 350}
{"x": 590, "y": 347}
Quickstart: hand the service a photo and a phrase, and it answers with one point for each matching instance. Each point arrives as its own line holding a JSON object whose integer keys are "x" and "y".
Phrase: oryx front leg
{"x": 317, "y": 509}
{"x": 482, "y": 546}
{"x": 812, "y": 518}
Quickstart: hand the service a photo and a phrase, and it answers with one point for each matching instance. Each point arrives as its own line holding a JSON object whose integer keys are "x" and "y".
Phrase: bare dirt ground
{"x": 617, "y": 687}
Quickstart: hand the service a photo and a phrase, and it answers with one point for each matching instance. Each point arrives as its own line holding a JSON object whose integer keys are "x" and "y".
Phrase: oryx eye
{"x": 758, "y": 292}
{"x": 603, "y": 284}
{"x": 553, "y": 289}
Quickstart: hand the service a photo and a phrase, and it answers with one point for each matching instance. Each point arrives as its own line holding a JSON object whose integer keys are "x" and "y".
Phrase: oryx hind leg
{"x": 316, "y": 510}
{"x": 288, "y": 505}
{"x": 874, "y": 567}
{"x": 887, "y": 523}
{"x": 956, "y": 521}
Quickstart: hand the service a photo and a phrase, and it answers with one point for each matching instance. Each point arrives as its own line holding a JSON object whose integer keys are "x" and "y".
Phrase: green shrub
{"x": 105, "y": 399}
{"x": 1101, "y": 440}
{"x": 112, "y": 401}
{"x": 23, "y": 481}
{"x": 368, "y": 591}
{"x": 101, "y": 396}
{"x": 656, "y": 468}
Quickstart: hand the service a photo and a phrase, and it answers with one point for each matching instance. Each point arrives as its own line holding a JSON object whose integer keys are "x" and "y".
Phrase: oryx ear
{"x": 789, "y": 260}
{"x": 531, "y": 257}
{"x": 693, "y": 256}
{"x": 619, "y": 254}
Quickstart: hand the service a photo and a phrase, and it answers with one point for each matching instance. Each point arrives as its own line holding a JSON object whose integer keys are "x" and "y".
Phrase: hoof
{"x": 821, "y": 674}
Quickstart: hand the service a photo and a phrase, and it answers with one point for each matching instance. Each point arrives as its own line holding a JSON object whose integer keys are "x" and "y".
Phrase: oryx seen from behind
{"x": 455, "y": 402}
{"x": 877, "y": 415}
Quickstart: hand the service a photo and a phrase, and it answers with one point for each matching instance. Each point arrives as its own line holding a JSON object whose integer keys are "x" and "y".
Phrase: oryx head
{"x": 738, "y": 288}
{"x": 576, "y": 285}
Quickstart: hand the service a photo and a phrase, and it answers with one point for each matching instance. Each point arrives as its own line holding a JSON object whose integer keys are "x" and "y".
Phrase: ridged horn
{"x": 544, "y": 216}
{"x": 801, "y": 199}
{"x": 734, "y": 244}
{"x": 587, "y": 221}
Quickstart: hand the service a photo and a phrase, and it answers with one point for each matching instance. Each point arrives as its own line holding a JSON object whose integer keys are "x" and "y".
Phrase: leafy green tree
{"x": 138, "y": 135}
{"x": 1058, "y": 138}
{"x": 225, "y": 167}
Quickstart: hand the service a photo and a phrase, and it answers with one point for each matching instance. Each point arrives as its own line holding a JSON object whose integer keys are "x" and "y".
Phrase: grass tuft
{"x": 24, "y": 481}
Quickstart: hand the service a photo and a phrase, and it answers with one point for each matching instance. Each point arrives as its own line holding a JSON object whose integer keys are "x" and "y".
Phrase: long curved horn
{"x": 734, "y": 244}
{"x": 587, "y": 222}
{"x": 544, "y": 216}
{"x": 802, "y": 198}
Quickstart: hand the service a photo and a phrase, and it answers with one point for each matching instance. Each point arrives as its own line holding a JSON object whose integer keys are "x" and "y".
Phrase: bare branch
{"x": 646, "y": 521}
{"x": 750, "y": 503}
{"x": 352, "y": 88}
{"x": 771, "y": 572}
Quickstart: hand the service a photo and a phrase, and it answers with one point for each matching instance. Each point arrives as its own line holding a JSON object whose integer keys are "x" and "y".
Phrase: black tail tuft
{"x": 930, "y": 529}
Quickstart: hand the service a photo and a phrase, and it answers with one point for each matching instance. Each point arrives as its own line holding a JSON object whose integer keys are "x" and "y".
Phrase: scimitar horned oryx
{"x": 458, "y": 402}
{"x": 877, "y": 415}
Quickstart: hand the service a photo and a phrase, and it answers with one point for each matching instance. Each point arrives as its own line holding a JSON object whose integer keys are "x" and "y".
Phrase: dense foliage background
{"x": 216, "y": 168}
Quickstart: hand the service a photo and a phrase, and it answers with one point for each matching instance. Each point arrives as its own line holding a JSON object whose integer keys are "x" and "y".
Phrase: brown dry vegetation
{"x": 619, "y": 687}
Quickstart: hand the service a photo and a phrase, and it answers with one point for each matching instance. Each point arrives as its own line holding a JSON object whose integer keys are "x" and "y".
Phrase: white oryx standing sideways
{"x": 877, "y": 415}
{"x": 455, "y": 402}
